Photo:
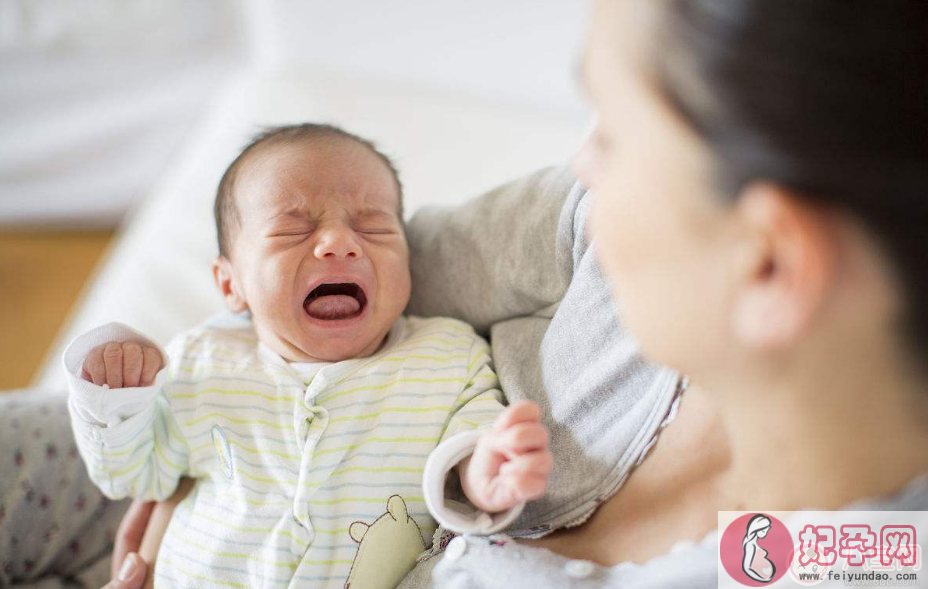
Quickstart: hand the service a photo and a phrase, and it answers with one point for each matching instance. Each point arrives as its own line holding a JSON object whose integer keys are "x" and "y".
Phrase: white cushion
{"x": 95, "y": 96}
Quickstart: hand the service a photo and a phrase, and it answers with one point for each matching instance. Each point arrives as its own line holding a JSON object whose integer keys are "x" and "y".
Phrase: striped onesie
{"x": 309, "y": 475}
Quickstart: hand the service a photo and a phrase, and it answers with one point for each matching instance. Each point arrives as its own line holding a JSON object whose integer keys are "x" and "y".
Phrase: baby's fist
{"x": 511, "y": 462}
{"x": 122, "y": 364}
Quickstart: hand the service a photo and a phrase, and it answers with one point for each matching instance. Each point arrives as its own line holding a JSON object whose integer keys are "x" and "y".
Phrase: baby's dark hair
{"x": 225, "y": 209}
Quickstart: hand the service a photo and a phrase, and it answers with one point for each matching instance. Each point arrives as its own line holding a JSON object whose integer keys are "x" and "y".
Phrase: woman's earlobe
{"x": 224, "y": 277}
{"x": 788, "y": 277}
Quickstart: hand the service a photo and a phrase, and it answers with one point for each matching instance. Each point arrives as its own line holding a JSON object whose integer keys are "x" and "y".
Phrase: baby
{"x": 312, "y": 421}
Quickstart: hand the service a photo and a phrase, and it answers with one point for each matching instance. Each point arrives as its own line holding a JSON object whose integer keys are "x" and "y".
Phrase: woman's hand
{"x": 131, "y": 574}
{"x": 129, "y": 537}
{"x": 139, "y": 538}
{"x": 128, "y": 570}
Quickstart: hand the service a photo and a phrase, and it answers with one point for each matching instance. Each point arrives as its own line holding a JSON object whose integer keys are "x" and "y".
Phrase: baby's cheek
{"x": 275, "y": 281}
{"x": 395, "y": 282}
{"x": 271, "y": 297}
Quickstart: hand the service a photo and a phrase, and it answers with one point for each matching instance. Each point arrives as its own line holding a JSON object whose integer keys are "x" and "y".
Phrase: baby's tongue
{"x": 332, "y": 307}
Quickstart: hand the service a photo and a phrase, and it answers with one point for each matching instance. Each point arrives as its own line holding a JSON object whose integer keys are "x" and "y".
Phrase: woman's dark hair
{"x": 828, "y": 98}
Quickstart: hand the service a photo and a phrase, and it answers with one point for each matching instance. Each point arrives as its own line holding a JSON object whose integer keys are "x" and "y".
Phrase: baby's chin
{"x": 311, "y": 339}
{"x": 335, "y": 345}
{"x": 338, "y": 351}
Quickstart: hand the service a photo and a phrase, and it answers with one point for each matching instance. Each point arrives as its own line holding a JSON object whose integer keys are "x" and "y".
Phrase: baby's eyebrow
{"x": 369, "y": 213}
{"x": 291, "y": 213}
{"x": 301, "y": 213}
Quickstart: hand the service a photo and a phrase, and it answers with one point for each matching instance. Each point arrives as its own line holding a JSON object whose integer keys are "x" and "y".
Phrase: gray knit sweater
{"x": 515, "y": 263}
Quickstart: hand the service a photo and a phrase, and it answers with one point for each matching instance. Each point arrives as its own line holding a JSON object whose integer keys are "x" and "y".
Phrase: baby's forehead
{"x": 310, "y": 173}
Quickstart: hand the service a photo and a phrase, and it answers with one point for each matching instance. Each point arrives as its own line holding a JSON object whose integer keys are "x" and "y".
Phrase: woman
{"x": 755, "y": 563}
{"x": 760, "y": 184}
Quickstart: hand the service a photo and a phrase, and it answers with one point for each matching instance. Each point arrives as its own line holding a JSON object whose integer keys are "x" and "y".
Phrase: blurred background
{"x": 118, "y": 116}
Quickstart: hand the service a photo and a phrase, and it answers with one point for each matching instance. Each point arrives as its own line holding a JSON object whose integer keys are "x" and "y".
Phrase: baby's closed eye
{"x": 376, "y": 230}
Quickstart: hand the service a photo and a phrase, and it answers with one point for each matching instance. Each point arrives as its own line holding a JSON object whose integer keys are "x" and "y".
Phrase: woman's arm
{"x": 494, "y": 257}
{"x": 141, "y": 532}
{"x": 130, "y": 533}
{"x": 158, "y": 524}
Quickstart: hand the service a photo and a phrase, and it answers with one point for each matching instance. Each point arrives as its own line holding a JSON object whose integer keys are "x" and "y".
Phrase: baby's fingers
{"x": 518, "y": 412}
{"x": 112, "y": 360}
{"x": 538, "y": 462}
{"x": 93, "y": 369}
{"x": 522, "y": 438}
{"x": 527, "y": 487}
{"x": 131, "y": 364}
{"x": 152, "y": 364}
{"x": 122, "y": 364}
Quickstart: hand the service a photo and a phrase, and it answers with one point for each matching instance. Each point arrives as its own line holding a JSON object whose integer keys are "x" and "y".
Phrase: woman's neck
{"x": 855, "y": 433}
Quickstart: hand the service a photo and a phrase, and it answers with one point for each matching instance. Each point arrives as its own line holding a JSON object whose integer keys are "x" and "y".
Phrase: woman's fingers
{"x": 131, "y": 574}
{"x": 130, "y": 532}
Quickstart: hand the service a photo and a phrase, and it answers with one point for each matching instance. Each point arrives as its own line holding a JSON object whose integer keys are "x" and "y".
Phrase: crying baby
{"x": 318, "y": 409}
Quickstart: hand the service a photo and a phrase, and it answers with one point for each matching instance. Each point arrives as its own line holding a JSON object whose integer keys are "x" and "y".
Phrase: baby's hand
{"x": 511, "y": 462}
{"x": 122, "y": 364}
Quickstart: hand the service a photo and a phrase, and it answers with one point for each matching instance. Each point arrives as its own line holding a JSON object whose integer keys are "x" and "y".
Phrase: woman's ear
{"x": 788, "y": 271}
{"x": 228, "y": 286}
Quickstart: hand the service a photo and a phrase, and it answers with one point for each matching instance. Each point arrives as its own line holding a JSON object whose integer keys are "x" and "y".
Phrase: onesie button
{"x": 456, "y": 548}
{"x": 579, "y": 569}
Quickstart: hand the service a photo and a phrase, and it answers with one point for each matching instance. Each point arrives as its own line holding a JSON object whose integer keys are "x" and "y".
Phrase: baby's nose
{"x": 337, "y": 244}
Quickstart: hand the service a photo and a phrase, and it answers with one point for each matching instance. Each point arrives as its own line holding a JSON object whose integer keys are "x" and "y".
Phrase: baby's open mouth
{"x": 342, "y": 300}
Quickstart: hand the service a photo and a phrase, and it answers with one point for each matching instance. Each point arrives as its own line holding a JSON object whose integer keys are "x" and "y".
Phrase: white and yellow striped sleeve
{"x": 128, "y": 437}
{"x": 476, "y": 409}
{"x": 481, "y": 399}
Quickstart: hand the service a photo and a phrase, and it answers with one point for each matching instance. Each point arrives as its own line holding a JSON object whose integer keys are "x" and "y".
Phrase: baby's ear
{"x": 228, "y": 285}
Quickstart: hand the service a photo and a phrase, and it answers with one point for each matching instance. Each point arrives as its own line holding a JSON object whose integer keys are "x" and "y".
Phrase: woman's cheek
{"x": 584, "y": 163}
{"x": 611, "y": 204}
{"x": 605, "y": 229}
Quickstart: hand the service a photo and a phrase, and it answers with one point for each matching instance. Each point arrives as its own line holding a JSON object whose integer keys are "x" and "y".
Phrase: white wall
{"x": 96, "y": 96}
{"x": 519, "y": 50}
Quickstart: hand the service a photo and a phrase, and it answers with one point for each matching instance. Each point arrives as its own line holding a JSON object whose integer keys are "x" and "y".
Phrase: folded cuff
{"x": 457, "y": 516}
{"x": 98, "y": 405}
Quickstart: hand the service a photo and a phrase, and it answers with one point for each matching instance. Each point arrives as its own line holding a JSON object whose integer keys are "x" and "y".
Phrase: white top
{"x": 307, "y": 472}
